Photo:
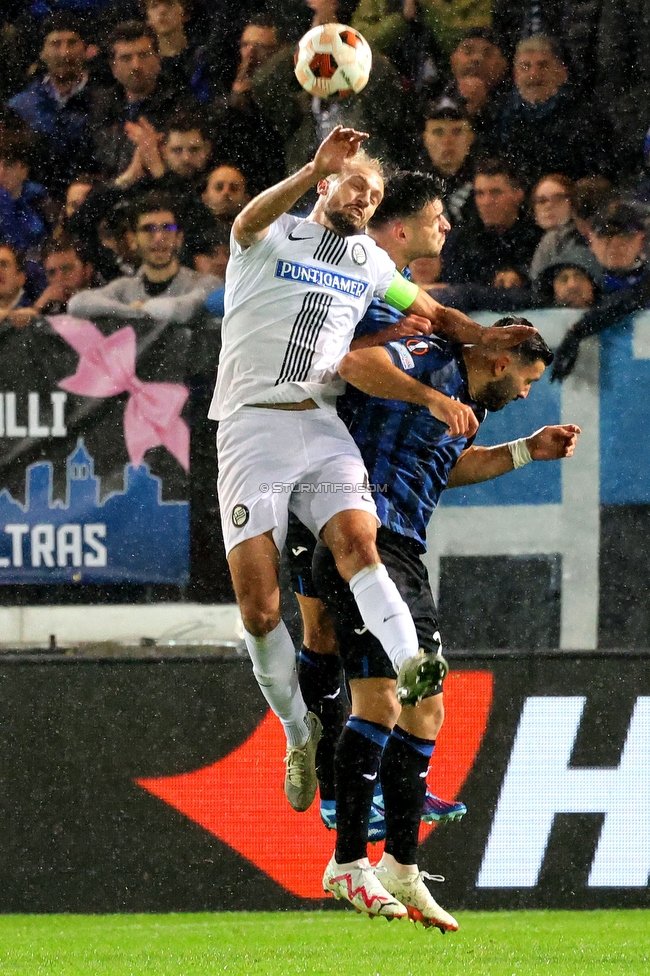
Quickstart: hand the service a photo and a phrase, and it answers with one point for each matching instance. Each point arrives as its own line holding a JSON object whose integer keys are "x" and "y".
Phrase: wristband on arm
{"x": 519, "y": 453}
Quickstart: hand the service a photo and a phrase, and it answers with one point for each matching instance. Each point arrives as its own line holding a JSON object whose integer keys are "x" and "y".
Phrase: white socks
{"x": 384, "y": 613}
{"x": 274, "y": 667}
{"x": 401, "y": 871}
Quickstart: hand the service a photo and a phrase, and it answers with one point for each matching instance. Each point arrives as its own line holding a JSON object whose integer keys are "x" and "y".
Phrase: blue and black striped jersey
{"x": 407, "y": 452}
{"x": 378, "y": 316}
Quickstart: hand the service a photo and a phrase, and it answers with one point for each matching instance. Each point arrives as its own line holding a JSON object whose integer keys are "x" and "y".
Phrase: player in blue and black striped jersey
{"x": 410, "y": 457}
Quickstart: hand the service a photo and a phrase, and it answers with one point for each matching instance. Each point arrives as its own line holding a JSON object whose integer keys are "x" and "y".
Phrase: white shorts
{"x": 273, "y": 461}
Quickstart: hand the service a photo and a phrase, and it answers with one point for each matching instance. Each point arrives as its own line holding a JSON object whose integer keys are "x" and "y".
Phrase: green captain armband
{"x": 401, "y": 293}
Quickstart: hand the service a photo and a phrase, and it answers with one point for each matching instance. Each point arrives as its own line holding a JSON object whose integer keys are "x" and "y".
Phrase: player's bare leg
{"x": 254, "y": 567}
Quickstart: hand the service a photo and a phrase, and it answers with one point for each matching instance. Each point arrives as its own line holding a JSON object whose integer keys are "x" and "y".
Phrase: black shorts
{"x": 300, "y": 546}
{"x": 362, "y": 654}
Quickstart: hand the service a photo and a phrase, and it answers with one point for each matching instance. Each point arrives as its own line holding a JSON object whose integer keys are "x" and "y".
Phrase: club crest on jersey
{"x": 240, "y": 516}
{"x": 359, "y": 255}
{"x": 293, "y": 271}
{"x": 418, "y": 347}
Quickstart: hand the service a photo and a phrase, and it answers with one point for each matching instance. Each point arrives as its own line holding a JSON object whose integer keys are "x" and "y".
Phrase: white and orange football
{"x": 333, "y": 59}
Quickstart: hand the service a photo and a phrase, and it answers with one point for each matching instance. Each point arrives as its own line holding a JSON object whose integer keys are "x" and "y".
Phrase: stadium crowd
{"x": 540, "y": 142}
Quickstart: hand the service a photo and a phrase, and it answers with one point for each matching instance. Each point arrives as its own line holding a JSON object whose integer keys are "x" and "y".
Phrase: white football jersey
{"x": 292, "y": 303}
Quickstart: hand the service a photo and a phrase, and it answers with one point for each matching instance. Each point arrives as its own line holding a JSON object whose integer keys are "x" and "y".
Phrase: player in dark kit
{"x": 411, "y": 453}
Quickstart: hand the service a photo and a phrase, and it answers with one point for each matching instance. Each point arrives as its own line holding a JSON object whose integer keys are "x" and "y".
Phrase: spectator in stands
{"x": 162, "y": 289}
{"x": 167, "y": 18}
{"x": 510, "y": 277}
{"x": 226, "y": 192}
{"x": 139, "y": 92}
{"x": 67, "y": 273}
{"x": 502, "y": 234}
{"x": 544, "y": 126}
{"x": 174, "y": 162}
{"x": 569, "y": 284}
{"x": 480, "y": 78}
{"x": 213, "y": 252}
{"x": 13, "y": 297}
{"x": 551, "y": 201}
{"x": 478, "y": 53}
{"x": 448, "y": 138}
{"x": 77, "y": 192}
{"x": 617, "y": 240}
{"x": 23, "y": 204}
{"x": 57, "y": 106}
{"x": 180, "y": 151}
{"x": 241, "y": 132}
{"x": 575, "y": 21}
{"x": 570, "y": 240}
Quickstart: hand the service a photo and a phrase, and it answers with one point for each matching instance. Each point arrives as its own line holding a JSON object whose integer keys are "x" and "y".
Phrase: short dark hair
{"x": 590, "y": 194}
{"x": 216, "y": 235}
{"x": 18, "y": 256}
{"x": 496, "y": 166}
{"x": 406, "y": 193}
{"x": 217, "y": 164}
{"x": 446, "y": 108}
{"x": 16, "y": 146}
{"x": 62, "y": 21}
{"x": 261, "y": 20}
{"x": 185, "y": 4}
{"x": 530, "y": 350}
{"x": 127, "y": 32}
{"x": 618, "y": 218}
{"x": 186, "y": 119}
{"x": 61, "y": 244}
{"x": 152, "y": 202}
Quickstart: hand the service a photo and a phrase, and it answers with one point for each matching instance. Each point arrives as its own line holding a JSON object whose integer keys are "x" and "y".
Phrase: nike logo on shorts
{"x": 335, "y": 695}
{"x": 371, "y": 779}
{"x": 360, "y": 630}
{"x": 298, "y": 549}
{"x": 391, "y": 617}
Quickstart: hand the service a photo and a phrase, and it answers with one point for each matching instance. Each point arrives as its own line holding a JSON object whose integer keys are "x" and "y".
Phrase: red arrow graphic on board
{"x": 241, "y": 801}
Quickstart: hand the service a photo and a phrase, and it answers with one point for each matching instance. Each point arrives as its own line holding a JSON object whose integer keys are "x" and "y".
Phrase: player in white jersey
{"x": 295, "y": 290}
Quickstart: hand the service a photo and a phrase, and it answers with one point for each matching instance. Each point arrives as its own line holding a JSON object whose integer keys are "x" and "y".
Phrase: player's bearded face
{"x": 352, "y": 200}
{"x": 497, "y": 394}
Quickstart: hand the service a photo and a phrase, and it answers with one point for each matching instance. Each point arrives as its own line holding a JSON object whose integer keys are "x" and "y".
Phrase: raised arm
{"x": 478, "y": 464}
{"x": 373, "y": 372}
{"x": 108, "y": 300}
{"x": 451, "y": 323}
{"x": 252, "y": 224}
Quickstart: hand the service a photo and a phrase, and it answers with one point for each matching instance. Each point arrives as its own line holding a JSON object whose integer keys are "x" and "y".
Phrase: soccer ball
{"x": 333, "y": 58}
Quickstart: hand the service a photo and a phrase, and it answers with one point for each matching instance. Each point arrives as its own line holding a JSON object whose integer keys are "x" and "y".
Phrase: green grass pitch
{"x": 611, "y": 943}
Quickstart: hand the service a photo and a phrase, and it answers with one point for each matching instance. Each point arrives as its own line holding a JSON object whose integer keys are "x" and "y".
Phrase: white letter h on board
{"x": 539, "y": 783}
